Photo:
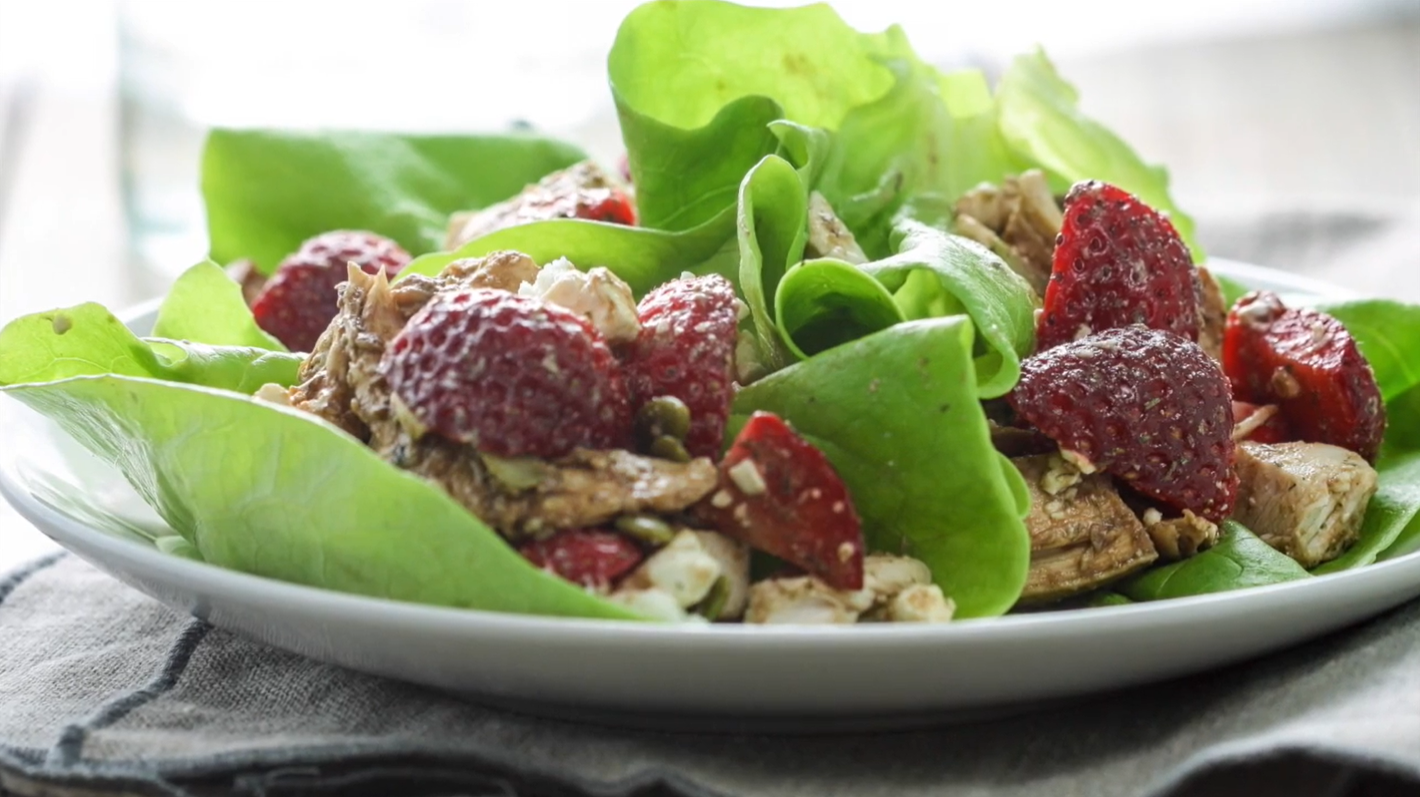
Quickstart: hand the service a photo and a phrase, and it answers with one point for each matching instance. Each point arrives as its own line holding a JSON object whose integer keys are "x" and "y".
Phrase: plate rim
{"x": 63, "y": 528}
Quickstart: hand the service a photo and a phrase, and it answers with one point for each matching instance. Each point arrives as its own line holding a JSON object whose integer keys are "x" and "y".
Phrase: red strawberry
{"x": 686, "y": 349}
{"x": 590, "y": 557}
{"x": 1117, "y": 262}
{"x": 510, "y": 375}
{"x": 778, "y": 493}
{"x": 1306, "y": 363}
{"x": 1272, "y": 429}
{"x": 1145, "y": 405}
{"x": 298, "y": 302}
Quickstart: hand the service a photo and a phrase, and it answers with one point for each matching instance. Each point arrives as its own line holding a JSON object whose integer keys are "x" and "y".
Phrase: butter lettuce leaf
{"x": 279, "y": 493}
{"x": 266, "y": 191}
{"x": 204, "y": 305}
{"x": 87, "y": 340}
{"x": 1041, "y": 119}
{"x": 897, "y": 414}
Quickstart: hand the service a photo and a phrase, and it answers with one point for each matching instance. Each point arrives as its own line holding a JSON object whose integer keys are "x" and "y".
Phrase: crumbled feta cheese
{"x": 656, "y": 604}
{"x": 746, "y": 476}
{"x": 733, "y": 558}
{"x": 885, "y": 575}
{"x": 682, "y": 569}
{"x": 920, "y": 603}
{"x": 1060, "y": 473}
{"x": 598, "y": 295}
{"x": 274, "y": 394}
{"x": 804, "y": 600}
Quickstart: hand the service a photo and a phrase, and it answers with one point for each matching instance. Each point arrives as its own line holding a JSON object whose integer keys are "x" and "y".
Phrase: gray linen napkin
{"x": 104, "y": 691}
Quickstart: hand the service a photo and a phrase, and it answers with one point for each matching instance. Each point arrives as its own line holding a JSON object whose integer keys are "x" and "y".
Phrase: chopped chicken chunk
{"x": 1212, "y": 314}
{"x": 581, "y": 490}
{"x": 1180, "y": 537}
{"x": 1083, "y": 536}
{"x": 564, "y": 194}
{"x": 598, "y": 295}
{"x": 1018, "y": 221}
{"x": 895, "y": 588}
{"x": 829, "y": 236}
{"x": 1307, "y": 500}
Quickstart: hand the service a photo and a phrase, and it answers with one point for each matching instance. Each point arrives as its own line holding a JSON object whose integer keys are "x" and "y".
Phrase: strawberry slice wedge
{"x": 1117, "y": 262}
{"x": 779, "y": 494}
{"x": 1306, "y": 363}
{"x": 591, "y": 557}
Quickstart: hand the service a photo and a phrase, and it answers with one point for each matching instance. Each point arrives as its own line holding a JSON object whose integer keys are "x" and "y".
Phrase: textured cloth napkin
{"x": 104, "y": 691}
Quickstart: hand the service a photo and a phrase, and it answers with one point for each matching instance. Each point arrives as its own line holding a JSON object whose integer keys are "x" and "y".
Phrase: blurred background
{"x": 1291, "y": 127}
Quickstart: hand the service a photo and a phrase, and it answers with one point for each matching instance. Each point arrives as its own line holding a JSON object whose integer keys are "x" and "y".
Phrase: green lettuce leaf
{"x": 204, "y": 305}
{"x": 267, "y": 191}
{"x": 771, "y": 228}
{"x": 936, "y": 274}
{"x": 897, "y": 414}
{"x": 827, "y": 303}
{"x": 1239, "y": 560}
{"x": 87, "y": 340}
{"x": 253, "y": 487}
{"x": 1041, "y": 119}
{"x": 1386, "y": 332}
{"x": 643, "y": 257}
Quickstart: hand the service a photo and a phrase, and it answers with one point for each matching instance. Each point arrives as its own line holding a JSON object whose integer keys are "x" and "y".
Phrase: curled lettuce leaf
{"x": 204, "y": 305}
{"x": 266, "y": 191}
{"x": 87, "y": 340}
{"x": 897, "y": 414}
{"x": 1042, "y": 122}
{"x": 643, "y": 257}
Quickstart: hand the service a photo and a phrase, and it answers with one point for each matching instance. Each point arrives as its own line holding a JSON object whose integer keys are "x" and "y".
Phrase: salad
{"x": 849, "y": 339}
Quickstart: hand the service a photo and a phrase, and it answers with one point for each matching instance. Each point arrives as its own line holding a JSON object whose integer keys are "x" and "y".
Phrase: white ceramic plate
{"x": 722, "y": 676}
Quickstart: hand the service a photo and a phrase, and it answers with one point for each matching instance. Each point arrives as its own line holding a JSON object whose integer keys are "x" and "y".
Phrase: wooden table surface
{"x": 1322, "y": 125}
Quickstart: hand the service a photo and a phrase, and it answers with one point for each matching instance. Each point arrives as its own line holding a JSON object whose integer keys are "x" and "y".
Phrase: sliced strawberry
{"x": 594, "y": 558}
{"x": 1306, "y": 363}
{"x": 510, "y": 375}
{"x": 1117, "y": 262}
{"x": 1272, "y": 429}
{"x": 299, "y": 301}
{"x": 686, "y": 349}
{"x": 778, "y": 493}
{"x": 1145, "y": 405}
{"x": 581, "y": 191}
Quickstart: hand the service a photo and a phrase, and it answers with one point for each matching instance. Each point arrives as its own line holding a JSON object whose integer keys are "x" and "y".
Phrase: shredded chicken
{"x": 1018, "y": 221}
{"x": 341, "y": 383}
{"x": 1307, "y": 500}
{"x": 1083, "y": 535}
{"x": 1212, "y": 314}
{"x": 1179, "y": 537}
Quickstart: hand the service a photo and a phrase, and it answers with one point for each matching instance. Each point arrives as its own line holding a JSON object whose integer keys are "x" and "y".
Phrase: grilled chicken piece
{"x": 1018, "y": 221}
{"x": 895, "y": 589}
{"x": 829, "y": 236}
{"x": 1212, "y": 314}
{"x": 581, "y": 490}
{"x": 341, "y": 383}
{"x": 1306, "y": 500}
{"x": 1083, "y": 536}
{"x": 574, "y": 192}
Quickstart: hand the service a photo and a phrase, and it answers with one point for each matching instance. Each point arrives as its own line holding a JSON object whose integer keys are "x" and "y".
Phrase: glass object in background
{"x": 421, "y": 66}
